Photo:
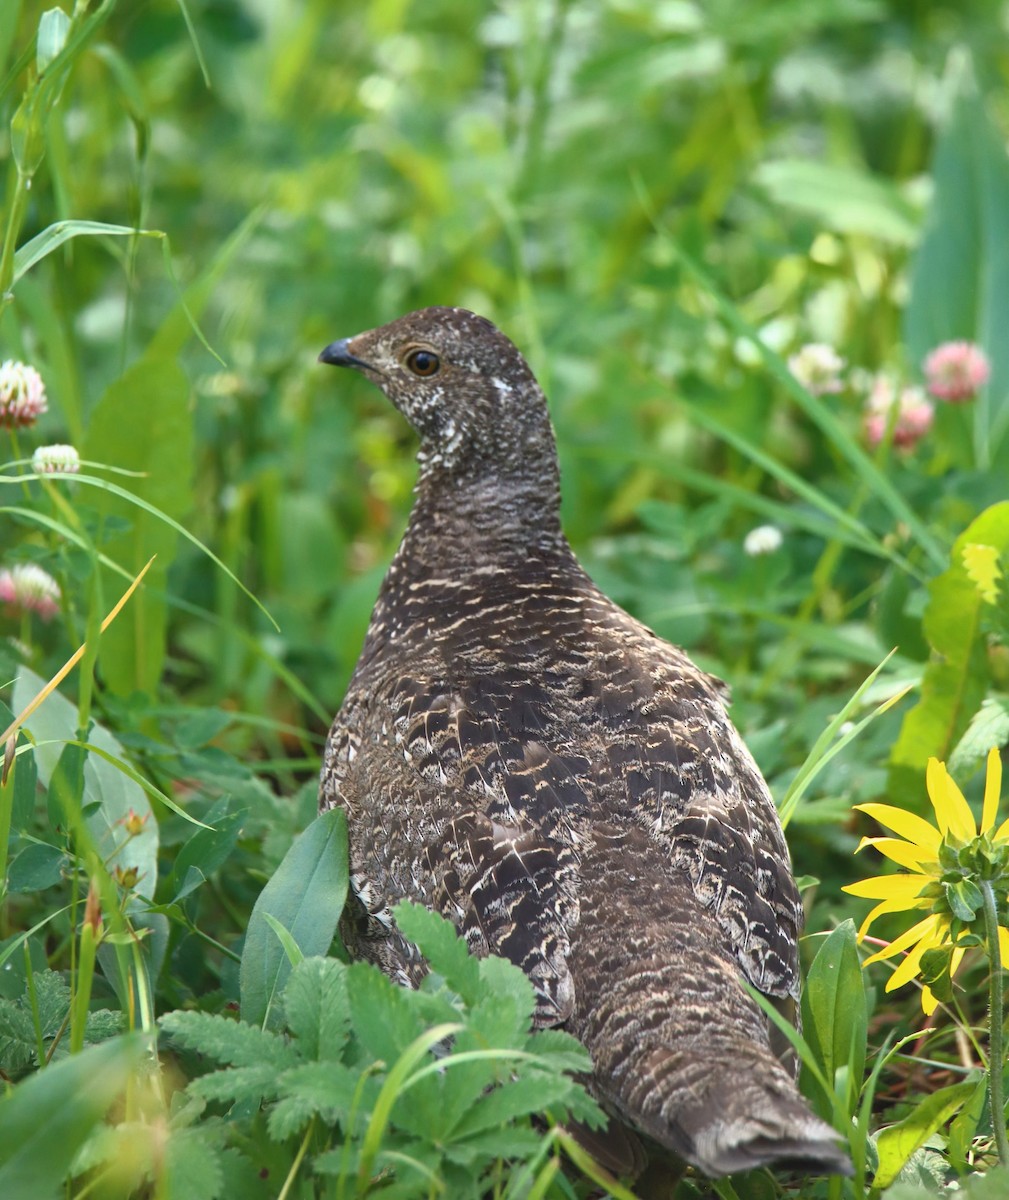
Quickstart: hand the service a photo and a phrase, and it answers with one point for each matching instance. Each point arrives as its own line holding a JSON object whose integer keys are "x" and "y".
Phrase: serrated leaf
{"x": 325, "y": 1088}
{"x": 956, "y": 677}
{"x": 983, "y": 569}
{"x": 444, "y": 950}
{"x": 193, "y": 1166}
{"x": 519, "y": 1098}
{"x": 502, "y": 979}
{"x": 143, "y": 422}
{"x": 317, "y": 1008}
{"x": 237, "y": 1085}
{"x": 897, "y": 1143}
{"x": 383, "y": 1018}
{"x": 234, "y": 1043}
{"x": 306, "y": 895}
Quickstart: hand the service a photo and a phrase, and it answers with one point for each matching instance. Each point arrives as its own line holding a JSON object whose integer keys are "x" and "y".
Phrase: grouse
{"x": 521, "y": 755}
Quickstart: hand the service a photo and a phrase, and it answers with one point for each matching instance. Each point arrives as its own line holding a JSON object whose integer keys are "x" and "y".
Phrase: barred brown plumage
{"x": 520, "y": 754}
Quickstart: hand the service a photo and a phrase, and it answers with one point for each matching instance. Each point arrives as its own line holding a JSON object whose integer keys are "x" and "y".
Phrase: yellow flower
{"x": 925, "y": 850}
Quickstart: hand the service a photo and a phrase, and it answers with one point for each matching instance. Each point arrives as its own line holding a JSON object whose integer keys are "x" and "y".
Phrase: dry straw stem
{"x": 11, "y": 730}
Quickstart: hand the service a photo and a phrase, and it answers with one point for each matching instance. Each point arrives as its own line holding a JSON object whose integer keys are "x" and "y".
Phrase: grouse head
{"x": 464, "y": 388}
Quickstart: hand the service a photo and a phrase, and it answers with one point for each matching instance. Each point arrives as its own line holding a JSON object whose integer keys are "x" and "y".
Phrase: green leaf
{"x": 964, "y": 899}
{"x": 897, "y": 1143}
{"x": 383, "y": 1018}
{"x": 955, "y": 678}
{"x": 46, "y": 1119}
{"x": 55, "y": 235}
{"x": 960, "y": 273}
{"x": 233, "y": 1043}
{"x": 144, "y": 423}
{"x": 306, "y": 895}
{"x": 988, "y": 727}
{"x": 193, "y": 1165}
{"x": 834, "y": 1015}
{"x": 843, "y": 199}
{"x": 444, "y": 949}
{"x": 207, "y": 849}
{"x": 317, "y": 1008}
{"x": 109, "y": 794}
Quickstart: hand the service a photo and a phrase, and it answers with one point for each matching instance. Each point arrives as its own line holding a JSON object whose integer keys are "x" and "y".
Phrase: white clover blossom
{"x": 26, "y": 587}
{"x": 22, "y": 395}
{"x": 818, "y": 368}
{"x": 764, "y": 539}
{"x": 57, "y": 459}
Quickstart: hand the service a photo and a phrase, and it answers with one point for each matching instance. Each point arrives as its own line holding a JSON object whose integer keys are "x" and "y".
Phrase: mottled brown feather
{"x": 520, "y": 754}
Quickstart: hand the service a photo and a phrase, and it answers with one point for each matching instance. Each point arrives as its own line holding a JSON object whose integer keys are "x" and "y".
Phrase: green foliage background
{"x": 658, "y": 201}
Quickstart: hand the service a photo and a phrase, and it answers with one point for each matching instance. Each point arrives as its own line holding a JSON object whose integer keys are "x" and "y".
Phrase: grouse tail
{"x": 680, "y": 1050}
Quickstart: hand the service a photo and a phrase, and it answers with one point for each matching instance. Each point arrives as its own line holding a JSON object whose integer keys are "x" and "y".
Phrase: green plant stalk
{"x": 33, "y": 1000}
{"x": 292, "y": 1174}
{"x": 82, "y": 994}
{"x": 6, "y": 814}
{"x": 996, "y": 1016}
{"x": 15, "y": 218}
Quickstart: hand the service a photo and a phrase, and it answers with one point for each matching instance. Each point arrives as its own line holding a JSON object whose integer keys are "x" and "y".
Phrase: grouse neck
{"x": 465, "y": 522}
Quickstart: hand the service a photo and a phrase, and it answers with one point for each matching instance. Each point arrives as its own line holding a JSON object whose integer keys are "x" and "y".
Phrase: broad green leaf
{"x": 306, "y": 895}
{"x": 46, "y": 1119}
{"x": 112, "y": 793}
{"x": 834, "y": 1016}
{"x": 444, "y": 949}
{"x": 843, "y": 199}
{"x": 207, "y": 849}
{"x": 960, "y": 273}
{"x": 955, "y": 679}
{"x": 897, "y": 1143}
{"x": 143, "y": 422}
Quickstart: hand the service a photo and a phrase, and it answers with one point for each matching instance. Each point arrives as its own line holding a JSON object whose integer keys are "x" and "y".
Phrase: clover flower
{"x": 764, "y": 539}
{"x": 956, "y": 371}
{"x": 944, "y": 865}
{"x": 25, "y": 587}
{"x": 56, "y": 460}
{"x": 22, "y": 395}
{"x": 914, "y": 415}
{"x": 818, "y": 368}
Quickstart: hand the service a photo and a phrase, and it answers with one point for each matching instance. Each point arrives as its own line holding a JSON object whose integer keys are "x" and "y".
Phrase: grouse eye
{"x": 423, "y": 362}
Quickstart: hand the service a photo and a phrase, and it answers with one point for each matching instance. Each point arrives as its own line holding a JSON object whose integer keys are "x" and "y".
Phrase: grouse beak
{"x": 337, "y": 354}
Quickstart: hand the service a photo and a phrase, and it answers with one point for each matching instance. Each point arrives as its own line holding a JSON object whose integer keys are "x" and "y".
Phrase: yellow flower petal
{"x": 886, "y": 906}
{"x": 951, "y": 810}
{"x": 888, "y": 887}
{"x": 906, "y": 853}
{"x": 929, "y": 1003}
{"x": 1002, "y": 833}
{"x": 910, "y": 826}
{"x": 1003, "y": 945}
{"x": 911, "y": 965}
{"x": 924, "y": 929}
{"x": 992, "y": 789}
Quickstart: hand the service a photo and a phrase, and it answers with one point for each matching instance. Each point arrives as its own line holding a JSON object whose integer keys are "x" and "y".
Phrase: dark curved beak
{"x": 337, "y": 355}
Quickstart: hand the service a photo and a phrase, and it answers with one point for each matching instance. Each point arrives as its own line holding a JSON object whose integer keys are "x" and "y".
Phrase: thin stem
{"x": 996, "y": 1054}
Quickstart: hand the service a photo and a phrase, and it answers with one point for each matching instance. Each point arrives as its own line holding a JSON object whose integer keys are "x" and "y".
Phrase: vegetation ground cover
{"x": 728, "y": 237}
